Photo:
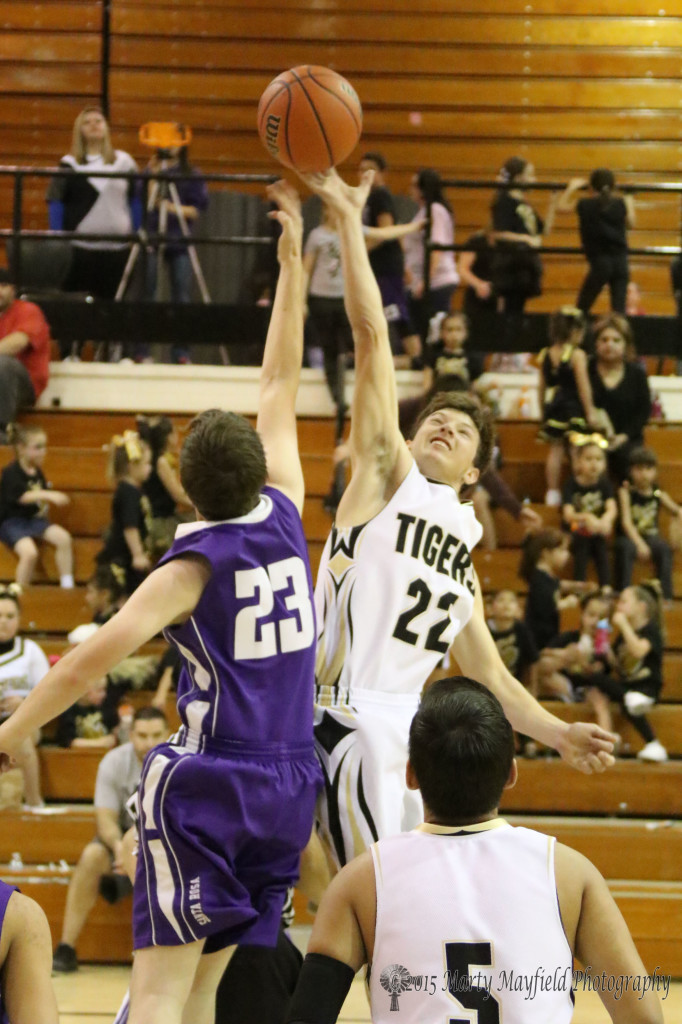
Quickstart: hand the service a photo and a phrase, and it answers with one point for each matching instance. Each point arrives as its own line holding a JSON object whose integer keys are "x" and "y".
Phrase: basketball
{"x": 309, "y": 118}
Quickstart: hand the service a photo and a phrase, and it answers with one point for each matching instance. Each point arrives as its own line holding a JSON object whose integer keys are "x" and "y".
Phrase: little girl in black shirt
{"x": 124, "y": 545}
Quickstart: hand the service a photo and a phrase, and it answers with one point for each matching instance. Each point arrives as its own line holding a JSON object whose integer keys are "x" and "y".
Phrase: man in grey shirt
{"x": 118, "y": 777}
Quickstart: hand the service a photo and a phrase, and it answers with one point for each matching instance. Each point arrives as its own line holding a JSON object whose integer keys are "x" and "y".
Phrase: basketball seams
{"x": 336, "y": 95}
{"x": 316, "y": 115}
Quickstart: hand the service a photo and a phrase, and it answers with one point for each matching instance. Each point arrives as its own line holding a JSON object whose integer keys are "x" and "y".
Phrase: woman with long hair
{"x": 427, "y": 190}
{"x": 88, "y": 204}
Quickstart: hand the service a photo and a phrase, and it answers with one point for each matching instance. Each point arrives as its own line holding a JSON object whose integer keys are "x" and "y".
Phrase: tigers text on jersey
{"x": 392, "y": 594}
{"x": 248, "y": 649}
{"x": 468, "y": 928}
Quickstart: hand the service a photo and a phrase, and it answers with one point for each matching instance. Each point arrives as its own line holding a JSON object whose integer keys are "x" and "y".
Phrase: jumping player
{"x": 26, "y": 993}
{"x": 396, "y": 586}
{"x": 227, "y": 806}
{"x": 467, "y": 917}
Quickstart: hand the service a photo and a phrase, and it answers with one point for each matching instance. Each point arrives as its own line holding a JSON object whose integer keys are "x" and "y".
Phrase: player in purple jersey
{"x": 26, "y": 993}
{"x": 227, "y": 806}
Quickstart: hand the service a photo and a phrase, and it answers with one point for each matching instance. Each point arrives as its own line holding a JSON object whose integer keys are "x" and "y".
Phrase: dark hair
{"x": 375, "y": 158}
{"x": 148, "y": 714}
{"x": 461, "y": 749}
{"x": 104, "y": 579}
{"x": 431, "y": 187}
{"x": 455, "y": 314}
{"x": 603, "y": 182}
{"x": 533, "y": 547}
{"x": 7, "y": 276}
{"x": 621, "y": 324}
{"x": 23, "y": 431}
{"x": 642, "y": 456}
{"x": 649, "y": 592}
{"x": 155, "y": 431}
{"x": 593, "y": 595}
{"x": 11, "y": 592}
{"x": 511, "y": 169}
{"x": 563, "y": 322}
{"x": 222, "y": 465}
{"x": 463, "y": 401}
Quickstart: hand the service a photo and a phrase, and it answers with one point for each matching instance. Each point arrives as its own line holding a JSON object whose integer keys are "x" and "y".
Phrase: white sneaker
{"x": 553, "y": 498}
{"x": 654, "y": 751}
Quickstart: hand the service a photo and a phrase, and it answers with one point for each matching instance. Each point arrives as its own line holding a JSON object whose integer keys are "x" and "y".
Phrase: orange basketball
{"x": 309, "y": 118}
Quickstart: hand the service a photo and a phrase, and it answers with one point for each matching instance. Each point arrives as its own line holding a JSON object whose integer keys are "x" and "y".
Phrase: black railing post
{"x": 17, "y": 215}
{"x": 106, "y": 57}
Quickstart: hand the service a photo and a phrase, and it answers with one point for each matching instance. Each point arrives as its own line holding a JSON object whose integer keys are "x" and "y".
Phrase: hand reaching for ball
{"x": 289, "y": 217}
{"x": 336, "y": 194}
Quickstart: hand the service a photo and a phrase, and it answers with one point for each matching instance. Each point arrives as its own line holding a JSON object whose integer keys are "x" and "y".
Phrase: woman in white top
{"x": 88, "y": 204}
{"x": 22, "y": 665}
{"x": 427, "y": 190}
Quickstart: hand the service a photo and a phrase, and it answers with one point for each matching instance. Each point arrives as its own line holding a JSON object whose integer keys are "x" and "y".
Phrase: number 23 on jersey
{"x": 256, "y": 638}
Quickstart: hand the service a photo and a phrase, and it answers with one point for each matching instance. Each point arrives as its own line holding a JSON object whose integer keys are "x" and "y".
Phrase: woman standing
{"x": 604, "y": 218}
{"x": 89, "y": 204}
{"x": 427, "y": 190}
{"x": 518, "y": 231}
{"x": 620, "y": 388}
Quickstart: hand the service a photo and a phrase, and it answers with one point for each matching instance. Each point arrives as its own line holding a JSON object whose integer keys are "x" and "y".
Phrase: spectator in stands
{"x": 447, "y": 354}
{"x": 512, "y": 637}
{"x": 162, "y": 487}
{"x": 26, "y": 992}
{"x": 92, "y": 721}
{"x": 84, "y": 203}
{"x": 589, "y": 508}
{"x": 388, "y": 263}
{"x": 130, "y": 464}
{"x": 544, "y": 556}
{"x": 573, "y": 658}
{"x": 604, "y": 217}
{"x": 118, "y": 776}
{"x": 22, "y": 665}
{"x": 640, "y": 501}
{"x": 620, "y": 389}
{"x": 427, "y": 190}
{"x": 104, "y": 595}
{"x": 193, "y": 196}
{"x": 637, "y": 661}
{"x": 25, "y": 496}
{"x": 565, "y": 394}
{"x": 475, "y": 268}
{"x": 518, "y": 231}
{"x": 25, "y": 346}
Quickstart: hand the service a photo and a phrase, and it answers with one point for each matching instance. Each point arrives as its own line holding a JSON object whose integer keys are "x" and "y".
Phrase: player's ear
{"x": 471, "y": 476}
{"x": 410, "y": 777}
{"x": 513, "y": 775}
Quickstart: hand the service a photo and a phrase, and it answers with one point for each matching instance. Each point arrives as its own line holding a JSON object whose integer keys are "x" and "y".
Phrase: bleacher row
{"x": 623, "y": 820}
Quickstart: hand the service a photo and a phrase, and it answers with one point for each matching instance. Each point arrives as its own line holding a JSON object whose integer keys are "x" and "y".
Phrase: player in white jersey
{"x": 468, "y": 919}
{"x": 396, "y": 587}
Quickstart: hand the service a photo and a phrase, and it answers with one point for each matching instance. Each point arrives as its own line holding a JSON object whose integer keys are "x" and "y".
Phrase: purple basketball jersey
{"x": 248, "y": 649}
{"x": 5, "y": 893}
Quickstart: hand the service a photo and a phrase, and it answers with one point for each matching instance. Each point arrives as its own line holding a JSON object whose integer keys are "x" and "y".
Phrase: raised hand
{"x": 289, "y": 217}
{"x": 338, "y": 195}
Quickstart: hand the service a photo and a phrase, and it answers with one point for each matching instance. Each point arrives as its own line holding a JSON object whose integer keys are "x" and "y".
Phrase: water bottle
{"x": 125, "y": 722}
{"x": 525, "y": 404}
{"x": 601, "y": 637}
{"x": 15, "y": 861}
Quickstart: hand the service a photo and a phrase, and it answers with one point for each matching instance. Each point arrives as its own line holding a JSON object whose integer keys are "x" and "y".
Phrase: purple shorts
{"x": 220, "y": 838}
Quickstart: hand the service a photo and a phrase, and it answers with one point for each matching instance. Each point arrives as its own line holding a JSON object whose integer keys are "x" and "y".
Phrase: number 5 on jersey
{"x": 253, "y": 637}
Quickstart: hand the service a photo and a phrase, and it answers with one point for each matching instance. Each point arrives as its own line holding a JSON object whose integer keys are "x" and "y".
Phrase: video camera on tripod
{"x": 164, "y": 137}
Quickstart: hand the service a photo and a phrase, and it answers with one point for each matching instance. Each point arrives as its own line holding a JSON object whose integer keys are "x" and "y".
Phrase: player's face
{"x": 9, "y": 620}
{"x": 643, "y": 476}
{"x": 7, "y": 295}
{"x": 610, "y": 346}
{"x": 592, "y": 613}
{"x": 445, "y": 447}
{"x": 590, "y": 463}
{"x": 505, "y": 605}
{"x": 453, "y": 333}
{"x": 34, "y": 451}
{"x": 147, "y": 734}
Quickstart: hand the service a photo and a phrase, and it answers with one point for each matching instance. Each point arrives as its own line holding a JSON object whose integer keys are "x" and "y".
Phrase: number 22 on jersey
{"x": 254, "y": 638}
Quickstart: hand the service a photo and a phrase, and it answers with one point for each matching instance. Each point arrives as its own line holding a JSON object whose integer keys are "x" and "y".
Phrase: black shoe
{"x": 64, "y": 960}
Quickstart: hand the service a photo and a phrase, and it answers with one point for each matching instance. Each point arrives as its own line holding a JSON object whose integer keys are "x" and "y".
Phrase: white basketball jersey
{"x": 392, "y": 594}
{"x": 468, "y": 929}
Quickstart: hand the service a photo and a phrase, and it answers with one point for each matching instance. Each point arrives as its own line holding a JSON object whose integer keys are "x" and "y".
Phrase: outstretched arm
{"x": 376, "y": 445}
{"x": 283, "y": 355}
{"x": 586, "y": 747}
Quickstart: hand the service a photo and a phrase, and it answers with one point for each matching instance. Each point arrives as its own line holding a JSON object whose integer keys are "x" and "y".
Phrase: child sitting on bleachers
{"x": 640, "y": 502}
{"x": 124, "y": 547}
{"x": 25, "y": 497}
{"x": 589, "y": 507}
{"x": 92, "y": 721}
{"x": 512, "y": 637}
{"x": 22, "y": 665}
{"x": 637, "y": 664}
{"x": 572, "y": 658}
{"x": 543, "y": 557}
{"x": 162, "y": 487}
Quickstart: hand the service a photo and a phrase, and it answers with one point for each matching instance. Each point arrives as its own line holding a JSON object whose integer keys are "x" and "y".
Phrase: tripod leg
{"x": 135, "y": 251}
{"x": 194, "y": 259}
